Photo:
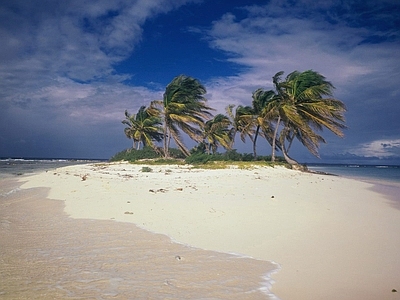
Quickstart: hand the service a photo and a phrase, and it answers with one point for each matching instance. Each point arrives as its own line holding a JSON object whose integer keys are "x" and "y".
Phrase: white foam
{"x": 268, "y": 282}
{"x": 10, "y": 192}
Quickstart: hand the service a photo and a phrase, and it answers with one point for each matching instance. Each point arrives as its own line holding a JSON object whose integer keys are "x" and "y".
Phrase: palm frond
{"x": 304, "y": 103}
{"x": 184, "y": 107}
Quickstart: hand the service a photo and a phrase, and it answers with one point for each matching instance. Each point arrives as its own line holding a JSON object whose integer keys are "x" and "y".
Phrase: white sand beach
{"x": 332, "y": 237}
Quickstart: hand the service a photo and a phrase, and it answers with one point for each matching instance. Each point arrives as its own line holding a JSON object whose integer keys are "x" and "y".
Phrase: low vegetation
{"x": 229, "y": 156}
{"x": 146, "y": 169}
{"x": 150, "y": 156}
{"x": 147, "y": 153}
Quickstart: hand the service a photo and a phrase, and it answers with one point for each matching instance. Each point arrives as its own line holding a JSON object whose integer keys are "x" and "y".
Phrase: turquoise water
{"x": 16, "y": 167}
{"x": 374, "y": 172}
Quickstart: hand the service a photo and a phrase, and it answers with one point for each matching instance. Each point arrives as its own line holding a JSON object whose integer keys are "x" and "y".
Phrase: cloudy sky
{"x": 69, "y": 69}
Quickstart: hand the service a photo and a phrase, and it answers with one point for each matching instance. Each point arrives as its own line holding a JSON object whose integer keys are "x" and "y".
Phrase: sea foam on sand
{"x": 333, "y": 238}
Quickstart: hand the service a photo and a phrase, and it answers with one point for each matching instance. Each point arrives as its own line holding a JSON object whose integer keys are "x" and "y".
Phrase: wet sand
{"x": 44, "y": 254}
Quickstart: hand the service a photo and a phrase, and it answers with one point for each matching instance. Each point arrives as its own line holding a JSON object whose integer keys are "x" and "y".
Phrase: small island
{"x": 298, "y": 108}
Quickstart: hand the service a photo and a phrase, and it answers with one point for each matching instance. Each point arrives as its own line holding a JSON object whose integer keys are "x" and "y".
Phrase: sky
{"x": 69, "y": 69}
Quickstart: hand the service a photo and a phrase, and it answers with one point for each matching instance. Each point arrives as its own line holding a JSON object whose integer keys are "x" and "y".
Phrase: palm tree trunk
{"x": 255, "y": 142}
{"x": 168, "y": 142}
{"x": 214, "y": 149}
{"x": 288, "y": 159}
{"x": 166, "y": 154}
{"x": 233, "y": 138}
{"x": 274, "y": 139}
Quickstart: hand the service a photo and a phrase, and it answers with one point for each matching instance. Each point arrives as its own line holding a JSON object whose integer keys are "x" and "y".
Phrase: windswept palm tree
{"x": 144, "y": 127}
{"x": 242, "y": 122}
{"x": 262, "y": 117}
{"x": 305, "y": 105}
{"x": 184, "y": 108}
{"x": 130, "y": 122}
{"x": 217, "y": 133}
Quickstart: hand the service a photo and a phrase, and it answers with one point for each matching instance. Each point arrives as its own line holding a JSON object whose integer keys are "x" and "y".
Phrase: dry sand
{"x": 333, "y": 238}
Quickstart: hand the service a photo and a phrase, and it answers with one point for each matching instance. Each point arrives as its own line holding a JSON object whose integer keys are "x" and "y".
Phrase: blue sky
{"x": 69, "y": 69}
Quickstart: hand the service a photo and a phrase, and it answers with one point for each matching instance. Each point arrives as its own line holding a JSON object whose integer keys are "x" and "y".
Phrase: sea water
{"x": 10, "y": 167}
{"x": 388, "y": 173}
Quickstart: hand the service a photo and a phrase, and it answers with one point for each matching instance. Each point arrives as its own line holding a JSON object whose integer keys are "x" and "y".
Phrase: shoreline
{"x": 313, "y": 226}
{"x": 48, "y": 255}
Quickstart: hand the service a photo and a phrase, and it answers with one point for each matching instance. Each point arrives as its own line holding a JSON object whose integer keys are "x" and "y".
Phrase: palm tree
{"x": 242, "y": 121}
{"x": 143, "y": 127}
{"x": 303, "y": 110}
{"x": 129, "y": 131}
{"x": 217, "y": 132}
{"x": 184, "y": 108}
{"x": 261, "y": 117}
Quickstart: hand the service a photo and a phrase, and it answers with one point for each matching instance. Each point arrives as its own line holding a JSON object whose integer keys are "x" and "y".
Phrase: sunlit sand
{"x": 327, "y": 237}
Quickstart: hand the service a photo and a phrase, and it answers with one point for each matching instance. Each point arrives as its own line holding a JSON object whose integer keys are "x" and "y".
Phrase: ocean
{"x": 388, "y": 173}
{"x": 10, "y": 167}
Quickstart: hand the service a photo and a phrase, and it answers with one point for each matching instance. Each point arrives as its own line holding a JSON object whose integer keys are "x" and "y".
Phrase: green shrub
{"x": 146, "y": 153}
{"x": 133, "y": 154}
{"x": 118, "y": 156}
{"x": 247, "y": 157}
{"x": 198, "y": 158}
{"x": 146, "y": 169}
{"x": 232, "y": 155}
{"x": 176, "y": 153}
{"x": 200, "y": 148}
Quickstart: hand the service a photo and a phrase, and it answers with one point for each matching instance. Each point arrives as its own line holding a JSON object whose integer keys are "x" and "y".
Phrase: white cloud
{"x": 264, "y": 44}
{"x": 269, "y": 44}
{"x": 90, "y": 103}
{"x": 383, "y": 148}
{"x": 62, "y": 54}
{"x": 267, "y": 40}
{"x": 78, "y": 39}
